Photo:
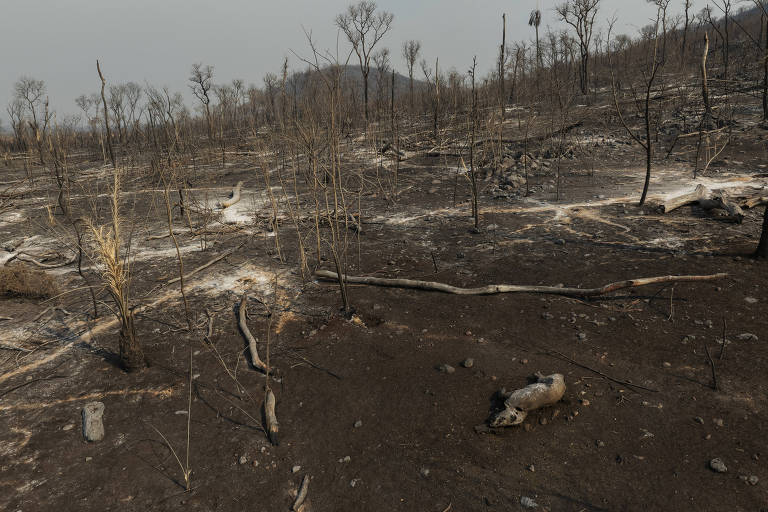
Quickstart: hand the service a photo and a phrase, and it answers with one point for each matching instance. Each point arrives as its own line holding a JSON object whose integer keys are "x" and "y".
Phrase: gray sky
{"x": 156, "y": 41}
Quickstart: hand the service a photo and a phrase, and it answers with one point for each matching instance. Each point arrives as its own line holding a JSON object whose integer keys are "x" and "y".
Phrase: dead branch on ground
{"x": 514, "y": 288}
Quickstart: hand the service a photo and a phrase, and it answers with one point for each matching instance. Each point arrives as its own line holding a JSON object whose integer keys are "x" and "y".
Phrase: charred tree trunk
{"x": 765, "y": 74}
{"x": 762, "y": 247}
{"x": 131, "y": 354}
{"x": 106, "y": 116}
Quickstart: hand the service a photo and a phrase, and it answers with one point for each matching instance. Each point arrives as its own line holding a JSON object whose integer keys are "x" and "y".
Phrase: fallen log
{"x": 545, "y": 391}
{"x": 673, "y": 203}
{"x": 515, "y": 288}
{"x": 234, "y": 198}
{"x": 255, "y": 359}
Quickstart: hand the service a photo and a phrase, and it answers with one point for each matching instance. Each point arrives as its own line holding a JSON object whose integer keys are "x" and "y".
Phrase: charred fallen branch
{"x": 494, "y": 289}
{"x": 255, "y": 359}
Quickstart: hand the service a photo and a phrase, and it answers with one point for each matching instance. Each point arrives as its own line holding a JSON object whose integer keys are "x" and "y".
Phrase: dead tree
{"x": 201, "y": 79}
{"x": 411, "y": 51}
{"x": 473, "y": 129}
{"x": 534, "y": 21}
{"x": 364, "y": 28}
{"x": 29, "y": 93}
{"x": 580, "y": 14}
{"x": 654, "y": 64}
{"x": 106, "y": 117}
{"x": 684, "y": 45}
{"x": 762, "y": 247}
{"x": 763, "y": 6}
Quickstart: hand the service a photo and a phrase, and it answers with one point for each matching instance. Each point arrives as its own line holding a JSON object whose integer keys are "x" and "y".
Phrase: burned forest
{"x": 379, "y": 279}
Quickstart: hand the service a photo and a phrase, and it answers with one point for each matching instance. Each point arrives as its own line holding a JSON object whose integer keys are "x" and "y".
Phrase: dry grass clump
{"x": 22, "y": 281}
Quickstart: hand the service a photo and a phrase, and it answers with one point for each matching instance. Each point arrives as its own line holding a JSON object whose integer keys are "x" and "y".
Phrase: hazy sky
{"x": 156, "y": 41}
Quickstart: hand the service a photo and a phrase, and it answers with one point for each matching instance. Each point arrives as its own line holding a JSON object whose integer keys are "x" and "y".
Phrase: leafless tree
{"x": 201, "y": 78}
{"x": 30, "y": 93}
{"x": 106, "y": 115}
{"x": 117, "y": 106}
{"x": 411, "y": 50}
{"x": 534, "y": 21}
{"x": 724, "y": 6}
{"x": 580, "y": 14}
{"x": 687, "y": 11}
{"x": 381, "y": 62}
{"x": 15, "y": 110}
{"x": 762, "y": 5}
{"x": 364, "y": 28}
{"x": 650, "y": 70}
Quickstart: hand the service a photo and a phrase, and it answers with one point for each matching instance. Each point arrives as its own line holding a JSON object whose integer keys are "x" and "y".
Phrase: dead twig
{"x": 712, "y": 365}
{"x": 551, "y": 352}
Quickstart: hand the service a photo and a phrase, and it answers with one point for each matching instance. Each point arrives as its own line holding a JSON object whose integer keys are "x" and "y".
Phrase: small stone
{"x": 718, "y": 421}
{"x": 560, "y": 241}
{"x": 699, "y": 419}
{"x": 358, "y": 423}
{"x": 93, "y": 425}
{"x": 354, "y": 482}
{"x": 468, "y": 363}
{"x": 750, "y": 300}
{"x": 527, "y": 502}
{"x": 295, "y": 469}
{"x": 599, "y": 443}
{"x": 753, "y": 480}
{"x": 747, "y": 336}
{"x": 88, "y": 459}
{"x": 424, "y": 472}
{"x": 717, "y": 465}
{"x": 345, "y": 460}
{"x": 542, "y": 421}
{"x": 667, "y": 365}
{"x": 446, "y": 368}
{"x": 531, "y": 468}
{"x": 585, "y": 402}
{"x": 255, "y": 463}
{"x": 581, "y": 336}
{"x": 547, "y": 316}
{"x": 68, "y": 426}
{"x": 242, "y": 460}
